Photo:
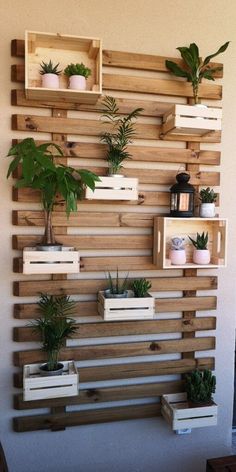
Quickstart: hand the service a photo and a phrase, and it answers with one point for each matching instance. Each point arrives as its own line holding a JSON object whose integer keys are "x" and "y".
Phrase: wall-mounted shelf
{"x": 192, "y": 120}
{"x": 129, "y": 308}
{"x": 114, "y": 188}
{"x": 65, "y": 261}
{"x": 166, "y": 227}
{"x": 64, "y": 49}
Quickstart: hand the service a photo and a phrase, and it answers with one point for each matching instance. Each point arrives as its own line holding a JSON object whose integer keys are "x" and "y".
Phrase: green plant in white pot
{"x": 208, "y": 198}
{"x": 78, "y": 74}
{"x": 117, "y": 288}
{"x": 50, "y": 74}
{"x": 201, "y": 253}
{"x": 141, "y": 287}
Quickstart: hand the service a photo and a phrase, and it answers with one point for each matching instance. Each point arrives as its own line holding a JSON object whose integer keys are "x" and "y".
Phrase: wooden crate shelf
{"x": 114, "y": 188}
{"x": 64, "y": 49}
{"x": 65, "y": 261}
{"x": 129, "y": 308}
{"x": 167, "y": 227}
{"x": 192, "y": 120}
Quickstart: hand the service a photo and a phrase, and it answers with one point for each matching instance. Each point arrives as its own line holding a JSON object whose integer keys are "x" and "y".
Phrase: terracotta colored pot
{"x": 50, "y": 81}
{"x": 201, "y": 256}
{"x": 77, "y": 82}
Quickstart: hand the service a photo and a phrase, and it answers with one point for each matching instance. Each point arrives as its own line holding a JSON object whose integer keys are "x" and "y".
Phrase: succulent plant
{"x": 201, "y": 241}
{"x": 200, "y": 386}
{"x": 116, "y": 286}
{"x": 77, "y": 69}
{"x": 177, "y": 244}
{"x": 49, "y": 68}
{"x": 140, "y": 287}
{"x": 207, "y": 195}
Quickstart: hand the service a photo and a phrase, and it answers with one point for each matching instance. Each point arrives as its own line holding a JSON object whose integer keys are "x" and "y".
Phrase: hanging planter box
{"x": 37, "y": 387}
{"x": 114, "y": 188}
{"x": 190, "y": 119}
{"x": 166, "y": 228}
{"x": 64, "y": 49}
{"x": 65, "y": 261}
{"x": 130, "y": 308}
{"x": 176, "y": 411}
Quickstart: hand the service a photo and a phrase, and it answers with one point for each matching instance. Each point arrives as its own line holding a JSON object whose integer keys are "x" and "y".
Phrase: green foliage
{"x": 123, "y": 130}
{"x": 77, "y": 69}
{"x": 141, "y": 287}
{"x": 207, "y": 195}
{"x": 49, "y": 68}
{"x": 200, "y": 386}
{"x": 195, "y": 69}
{"x": 117, "y": 286}
{"x": 201, "y": 241}
{"x": 55, "y": 325}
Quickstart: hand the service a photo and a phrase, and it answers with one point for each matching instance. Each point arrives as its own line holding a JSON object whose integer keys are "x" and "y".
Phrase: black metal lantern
{"x": 182, "y": 197}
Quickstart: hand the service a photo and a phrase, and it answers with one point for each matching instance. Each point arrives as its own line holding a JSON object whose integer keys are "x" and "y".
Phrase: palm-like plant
{"x": 40, "y": 172}
{"x": 121, "y": 134}
{"x": 195, "y": 69}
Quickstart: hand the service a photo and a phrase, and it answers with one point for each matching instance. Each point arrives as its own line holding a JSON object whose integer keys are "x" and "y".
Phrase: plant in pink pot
{"x": 50, "y": 74}
{"x": 177, "y": 252}
{"x": 78, "y": 74}
{"x": 201, "y": 254}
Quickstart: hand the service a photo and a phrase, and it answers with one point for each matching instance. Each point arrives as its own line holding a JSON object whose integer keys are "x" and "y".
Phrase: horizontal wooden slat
{"x": 55, "y": 421}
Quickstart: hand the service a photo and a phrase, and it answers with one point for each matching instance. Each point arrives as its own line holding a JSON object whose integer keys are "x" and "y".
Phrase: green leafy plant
{"x": 121, "y": 134}
{"x": 54, "y": 326}
{"x": 195, "y": 69}
{"x": 207, "y": 195}
{"x": 200, "y": 386}
{"x": 117, "y": 286}
{"x": 140, "y": 287}
{"x": 49, "y": 68}
{"x": 40, "y": 172}
{"x": 201, "y": 241}
{"x": 77, "y": 69}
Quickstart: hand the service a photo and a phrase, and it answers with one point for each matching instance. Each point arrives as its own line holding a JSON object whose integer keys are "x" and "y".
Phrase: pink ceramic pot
{"x": 50, "y": 81}
{"x": 77, "y": 82}
{"x": 177, "y": 257}
{"x": 201, "y": 256}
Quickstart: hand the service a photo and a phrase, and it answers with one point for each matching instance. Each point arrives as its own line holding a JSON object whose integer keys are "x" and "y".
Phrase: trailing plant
{"x": 141, "y": 287}
{"x": 49, "y": 68}
{"x": 54, "y": 325}
{"x": 195, "y": 69}
{"x": 200, "y": 386}
{"x": 40, "y": 172}
{"x": 121, "y": 134}
{"x": 77, "y": 69}
{"x": 201, "y": 241}
{"x": 207, "y": 195}
{"x": 177, "y": 244}
{"x": 117, "y": 286}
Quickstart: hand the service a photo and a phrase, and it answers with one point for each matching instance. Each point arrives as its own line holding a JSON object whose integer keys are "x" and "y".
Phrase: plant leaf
{"x": 177, "y": 70}
{"x": 220, "y": 50}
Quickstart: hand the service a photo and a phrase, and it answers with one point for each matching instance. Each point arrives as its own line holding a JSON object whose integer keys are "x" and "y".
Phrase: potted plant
{"x": 116, "y": 288}
{"x": 177, "y": 253}
{"x": 78, "y": 74}
{"x": 50, "y": 74}
{"x": 41, "y": 172}
{"x": 140, "y": 288}
{"x": 200, "y": 387}
{"x": 207, "y": 208}
{"x": 194, "y": 68}
{"x": 201, "y": 254}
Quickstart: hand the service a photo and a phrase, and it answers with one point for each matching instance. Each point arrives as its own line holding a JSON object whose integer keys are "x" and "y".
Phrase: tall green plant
{"x": 116, "y": 286}
{"x": 195, "y": 69}
{"x": 40, "y": 172}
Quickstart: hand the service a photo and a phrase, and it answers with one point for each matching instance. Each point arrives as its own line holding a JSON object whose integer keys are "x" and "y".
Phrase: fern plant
{"x": 77, "y": 69}
{"x": 201, "y": 241}
{"x": 49, "y": 68}
{"x": 200, "y": 386}
{"x": 141, "y": 287}
{"x": 121, "y": 134}
{"x": 195, "y": 69}
{"x": 207, "y": 195}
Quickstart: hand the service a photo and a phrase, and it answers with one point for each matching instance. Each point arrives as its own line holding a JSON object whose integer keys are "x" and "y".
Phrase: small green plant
{"x": 49, "y": 68}
{"x": 77, "y": 69}
{"x": 116, "y": 286}
{"x": 200, "y": 386}
{"x": 195, "y": 69}
{"x": 121, "y": 134}
{"x": 141, "y": 287}
{"x": 201, "y": 241}
{"x": 54, "y": 326}
{"x": 207, "y": 195}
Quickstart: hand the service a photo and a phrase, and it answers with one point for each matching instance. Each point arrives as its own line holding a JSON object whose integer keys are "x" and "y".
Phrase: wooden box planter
{"x": 130, "y": 308}
{"x": 176, "y": 411}
{"x": 65, "y": 50}
{"x": 192, "y": 120}
{"x": 37, "y": 387}
{"x": 65, "y": 261}
{"x": 114, "y": 188}
{"x": 167, "y": 227}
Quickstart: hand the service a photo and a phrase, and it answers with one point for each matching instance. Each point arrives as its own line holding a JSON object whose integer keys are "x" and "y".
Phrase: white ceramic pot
{"x": 201, "y": 256}
{"x": 50, "y": 81}
{"x": 207, "y": 210}
{"x": 77, "y": 82}
{"x": 177, "y": 257}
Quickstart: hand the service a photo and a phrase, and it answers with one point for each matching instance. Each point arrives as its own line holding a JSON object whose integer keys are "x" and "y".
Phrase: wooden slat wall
{"x": 111, "y": 235}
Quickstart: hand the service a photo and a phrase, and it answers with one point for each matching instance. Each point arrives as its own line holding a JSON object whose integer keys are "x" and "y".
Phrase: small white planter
{"x": 201, "y": 256}
{"x": 50, "y": 81}
{"x": 37, "y": 387}
{"x": 65, "y": 261}
{"x": 177, "y": 257}
{"x": 77, "y": 82}
{"x": 114, "y": 188}
{"x": 130, "y": 308}
{"x": 207, "y": 210}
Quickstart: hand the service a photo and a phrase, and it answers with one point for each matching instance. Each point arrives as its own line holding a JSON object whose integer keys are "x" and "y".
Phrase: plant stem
{"x": 48, "y": 237}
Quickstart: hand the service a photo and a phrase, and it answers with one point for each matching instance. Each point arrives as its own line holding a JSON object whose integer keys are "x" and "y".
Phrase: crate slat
{"x": 114, "y": 188}
{"x": 190, "y": 119}
{"x": 50, "y": 262}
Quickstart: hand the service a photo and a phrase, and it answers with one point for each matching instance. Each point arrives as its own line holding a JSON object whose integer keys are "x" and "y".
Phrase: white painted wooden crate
{"x": 37, "y": 387}
{"x": 65, "y": 261}
{"x": 130, "y": 308}
{"x": 114, "y": 188}
{"x": 175, "y": 409}
{"x": 190, "y": 119}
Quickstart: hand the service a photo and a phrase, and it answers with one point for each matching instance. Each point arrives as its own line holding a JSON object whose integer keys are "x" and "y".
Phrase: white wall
{"x": 152, "y": 27}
